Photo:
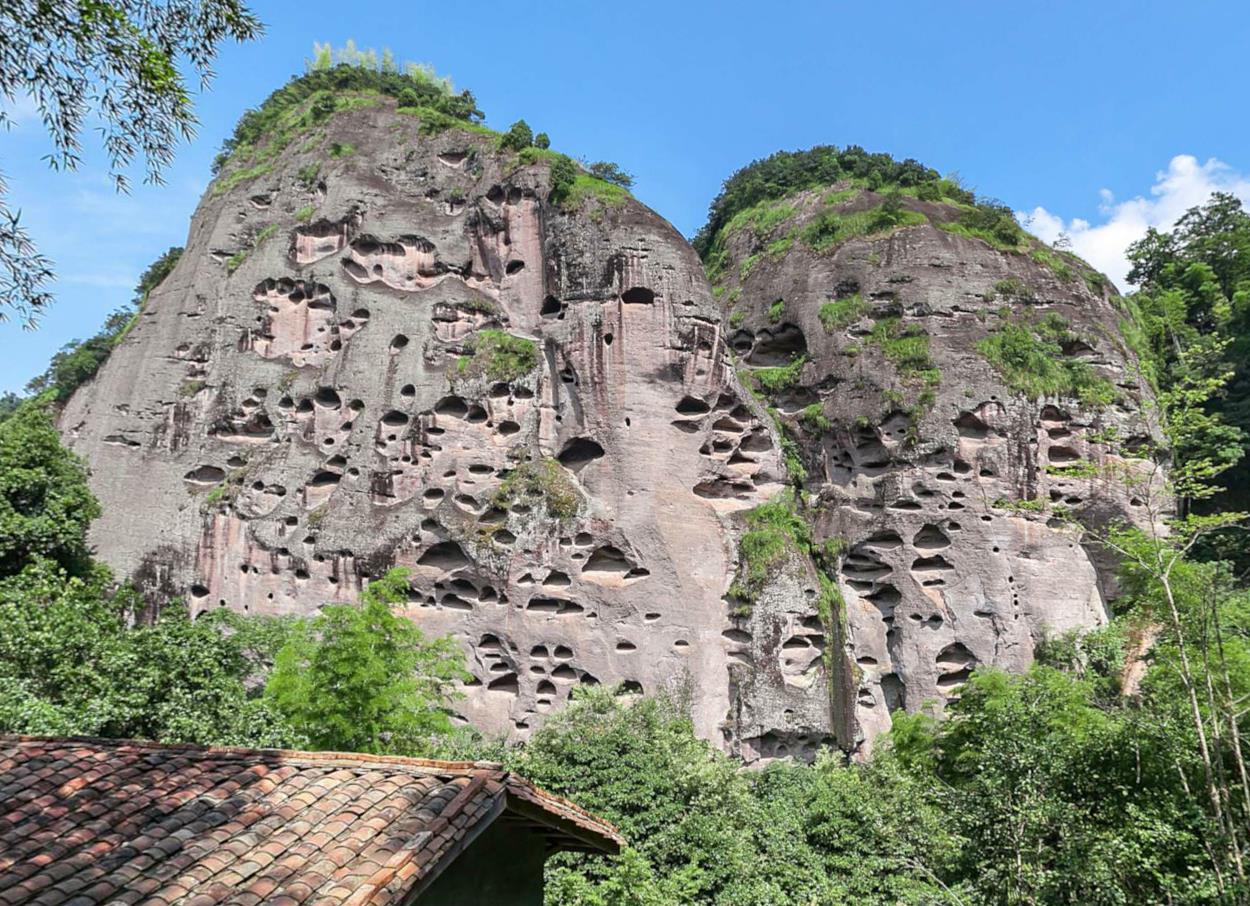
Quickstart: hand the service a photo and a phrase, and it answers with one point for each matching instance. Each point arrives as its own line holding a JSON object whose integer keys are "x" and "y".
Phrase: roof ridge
{"x": 328, "y": 757}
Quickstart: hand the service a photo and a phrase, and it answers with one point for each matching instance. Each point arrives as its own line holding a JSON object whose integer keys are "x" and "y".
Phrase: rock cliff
{"x": 392, "y": 346}
{"x": 954, "y": 405}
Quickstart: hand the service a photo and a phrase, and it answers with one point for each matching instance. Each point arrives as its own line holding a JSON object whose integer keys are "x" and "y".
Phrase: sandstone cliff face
{"x": 950, "y": 496}
{"x": 393, "y": 349}
{"x": 318, "y": 393}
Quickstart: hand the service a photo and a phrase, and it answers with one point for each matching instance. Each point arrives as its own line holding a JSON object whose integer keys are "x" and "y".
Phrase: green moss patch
{"x": 1030, "y": 358}
{"x": 540, "y": 482}
{"x": 840, "y": 313}
{"x": 498, "y": 356}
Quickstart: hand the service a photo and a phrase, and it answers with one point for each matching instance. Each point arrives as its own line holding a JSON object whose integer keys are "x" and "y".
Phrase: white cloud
{"x": 1186, "y": 183}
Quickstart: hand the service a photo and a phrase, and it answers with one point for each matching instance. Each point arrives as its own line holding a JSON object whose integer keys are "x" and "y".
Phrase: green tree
{"x": 117, "y": 63}
{"x": 1193, "y": 314}
{"x": 1058, "y": 798}
{"x": 610, "y": 172}
{"x": 518, "y": 137}
{"x": 360, "y": 678}
{"x": 73, "y": 661}
{"x": 701, "y": 830}
{"x": 880, "y": 830}
{"x": 45, "y": 504}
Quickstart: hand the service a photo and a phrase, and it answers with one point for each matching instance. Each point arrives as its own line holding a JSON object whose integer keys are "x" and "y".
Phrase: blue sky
{"x": 1094, "y": 118}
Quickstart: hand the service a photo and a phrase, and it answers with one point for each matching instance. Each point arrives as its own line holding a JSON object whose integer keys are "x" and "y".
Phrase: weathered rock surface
{"x": 941, "y": 486}
{"x": 271, "y": 435}
{"x": 324, "y": 387}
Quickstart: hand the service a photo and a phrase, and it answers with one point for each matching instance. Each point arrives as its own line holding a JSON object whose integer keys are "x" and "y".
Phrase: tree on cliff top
{"x": 117, "y": 62}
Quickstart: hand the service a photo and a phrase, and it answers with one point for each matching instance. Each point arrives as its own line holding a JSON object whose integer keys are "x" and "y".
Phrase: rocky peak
{"x": 817, "y": 493}
{"x": 950, "y": 394}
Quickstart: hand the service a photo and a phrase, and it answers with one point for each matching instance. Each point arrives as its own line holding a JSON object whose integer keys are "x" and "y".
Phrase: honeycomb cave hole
{"x": 205, "y": 475}
{"x": 778, "y": 347}
{"x": 638, "y": 295}
{"x": 690, "y": 405}
{"x": 446, "y": 555}
{"x": 579, "y": 451}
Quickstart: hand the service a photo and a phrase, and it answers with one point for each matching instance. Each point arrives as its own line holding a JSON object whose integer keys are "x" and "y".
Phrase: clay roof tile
{"x": 99, "y": 821}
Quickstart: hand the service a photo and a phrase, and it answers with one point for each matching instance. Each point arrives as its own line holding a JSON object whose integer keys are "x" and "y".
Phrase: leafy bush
{"x": 991, "y": 222}
{"x": 1031, "y": 361}
{"x": 70, "y": 664}
{"x": 542, "y": 140}
{"x": 563, "y": 177}
{"x": 701, "y": 830}
{"x": 45, "y": 504}
{"x": 498, "y": 356}
{"x": 359, "y": 678}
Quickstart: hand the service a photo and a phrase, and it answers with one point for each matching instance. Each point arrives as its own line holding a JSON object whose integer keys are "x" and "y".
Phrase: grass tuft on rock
{"x": 1030, "y": 358}
{"x": 543, "y": 481}
{"x": 498, "y": 356}
{"x": 840, "y": 313}
{"x": 775, "y": 532}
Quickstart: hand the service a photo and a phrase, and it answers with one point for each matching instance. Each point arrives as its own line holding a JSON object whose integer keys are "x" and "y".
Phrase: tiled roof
{"x": 92, "y": 821}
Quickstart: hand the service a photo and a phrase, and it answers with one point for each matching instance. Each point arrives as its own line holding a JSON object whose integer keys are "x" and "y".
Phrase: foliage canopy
{"x": 120, "y": 63}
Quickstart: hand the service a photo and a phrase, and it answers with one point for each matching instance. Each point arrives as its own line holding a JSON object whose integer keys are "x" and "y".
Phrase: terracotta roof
{"x": 86, "y": 821}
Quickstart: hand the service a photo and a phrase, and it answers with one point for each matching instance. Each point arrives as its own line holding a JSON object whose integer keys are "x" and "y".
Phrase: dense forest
{"x": 1112, "y": 772}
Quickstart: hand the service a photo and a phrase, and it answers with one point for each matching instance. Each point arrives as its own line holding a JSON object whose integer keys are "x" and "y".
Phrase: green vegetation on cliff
{"x": 498, "y": 356}
{"x": 336, "y": 82}
{"x": 1031, "y": 358}
{"x": 906, "y": 347}
{"x": 79, "y": 360}
{"x": 543, "y": 481}
{"x": 761, "y": 198}
{"x": 842, "y": 312}
{"x": 787, "y": 172}
{"x": 775, "y": 531}
{"x": 831, "y": 227}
